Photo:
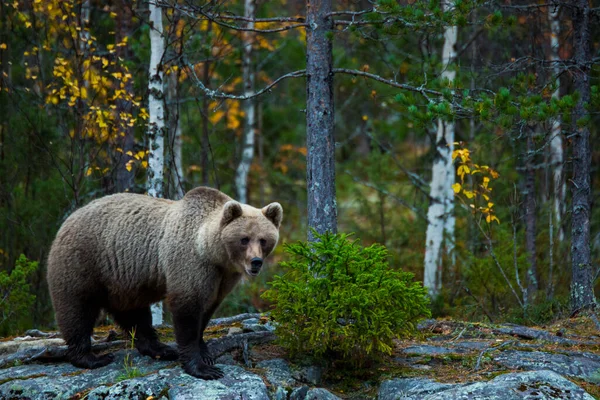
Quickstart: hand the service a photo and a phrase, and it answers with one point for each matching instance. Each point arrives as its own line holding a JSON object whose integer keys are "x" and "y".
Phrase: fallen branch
{"x": 53, "y": 353}
{"x": 41, "y": 334}
{"x": 222, "y": 345}
{"x": 532, "y": 333}
{"x": 217, "y": 347}
{"x": 232, "y": 319}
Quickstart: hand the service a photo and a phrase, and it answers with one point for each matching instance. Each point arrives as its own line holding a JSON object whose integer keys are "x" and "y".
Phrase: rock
{"x": 432, "y": 350}
{"x": 226, "y": 359}
{"x": 174, "y": 384}
{"x": 277, "y": 372}
{"x": 473, "y": 344}
{"x": 320, "y": 394}
{"x": 64, "y": 380}
{"x": 411, "y": 387}
{"x": 426, "y": 324}
{"x": 254, "y": 325}
{"x": 311, "y": 374}
{"x": 281, "y": 393}
{"x": 521, "y": 385}
{"x": 573, "y": 364}
{"x": 299, "y": 393}
{"x": 234, "y": 330}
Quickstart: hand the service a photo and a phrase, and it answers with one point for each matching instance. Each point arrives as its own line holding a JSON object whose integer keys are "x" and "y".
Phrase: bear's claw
{"x": 207, "y": 359}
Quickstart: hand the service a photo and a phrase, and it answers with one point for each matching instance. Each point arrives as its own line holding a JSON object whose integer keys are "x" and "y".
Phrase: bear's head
{"x": 250, "y": 234}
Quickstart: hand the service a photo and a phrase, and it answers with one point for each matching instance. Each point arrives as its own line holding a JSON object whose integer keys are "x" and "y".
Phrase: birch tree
{"x": 556, "y": 145}
{"x": 582, "y": 288}
{"x": 156, "y": 124}
{"x": 241, "y": 176}
{"x": 320, "y": 142}
{"x": 440, "y": 217}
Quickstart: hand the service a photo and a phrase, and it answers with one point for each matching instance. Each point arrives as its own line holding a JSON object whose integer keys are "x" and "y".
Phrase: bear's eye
{"x": 263, "y": 242}
{"x": 245, "y": 241}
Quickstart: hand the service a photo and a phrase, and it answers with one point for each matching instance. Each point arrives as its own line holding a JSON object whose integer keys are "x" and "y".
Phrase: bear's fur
{"x": 124, "y": 252}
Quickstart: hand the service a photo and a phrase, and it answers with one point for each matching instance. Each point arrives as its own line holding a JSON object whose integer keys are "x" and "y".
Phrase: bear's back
{"x": 111, "y": 242}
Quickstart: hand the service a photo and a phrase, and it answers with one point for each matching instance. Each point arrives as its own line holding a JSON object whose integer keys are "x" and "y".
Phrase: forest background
{"x": 465, "y": 134}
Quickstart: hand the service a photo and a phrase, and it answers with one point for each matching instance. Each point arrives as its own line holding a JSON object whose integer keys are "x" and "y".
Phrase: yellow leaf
{"x": 486, "y": 181}
{"x": 129, "y": 153}
{"x": 83, "y": 92}
{"x": 120, "y": 150}
{"x": 469, "y": 194}
{"x": 365, "y": 118}
{"x": 494, "y": 173}
{"x": 456, "y": 187}
{"x": 488, "y": 218}
{"x": 490, "y": 205}
{"x": 144, "y": 164}
{"x": 89, "y": 172}
{"x": 128, "y": 167}
{"x": 3, "y": 46}
{"x": 104, "y": 62}
{"x": 27, "y": 24}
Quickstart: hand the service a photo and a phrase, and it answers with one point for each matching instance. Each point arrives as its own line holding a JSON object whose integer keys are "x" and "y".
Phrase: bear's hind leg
{"x": 77, "y": 325}
{"x": 146, "y": 339}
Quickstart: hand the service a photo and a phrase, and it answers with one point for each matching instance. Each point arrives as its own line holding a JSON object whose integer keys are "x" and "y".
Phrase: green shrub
{"x": 343, "y": 300}
{"x": 15, "y": 295}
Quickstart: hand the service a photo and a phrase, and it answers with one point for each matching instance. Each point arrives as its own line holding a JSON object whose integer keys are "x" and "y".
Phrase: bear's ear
{"x": 274, "y": 213}
{"x": 231, "y": 210}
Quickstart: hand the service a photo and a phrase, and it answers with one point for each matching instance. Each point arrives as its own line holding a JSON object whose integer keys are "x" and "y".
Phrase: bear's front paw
{"x": 201, "y": 370}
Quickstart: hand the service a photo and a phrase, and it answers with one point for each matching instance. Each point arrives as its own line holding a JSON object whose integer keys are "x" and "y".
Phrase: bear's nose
{"x": 256, "y": 262}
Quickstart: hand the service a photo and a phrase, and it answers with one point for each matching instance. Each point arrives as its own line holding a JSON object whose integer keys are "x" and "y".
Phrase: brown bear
{"x": 124, "y": 252}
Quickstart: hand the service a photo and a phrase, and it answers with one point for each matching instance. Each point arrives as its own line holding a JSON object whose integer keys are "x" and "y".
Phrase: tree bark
{"x": 175, "y": 155}
{"x": 241, "y": 177}
{"x": 440, "y": 215}
{"x": 320, "y": 160}
{"x": 556, "y": 144}
{"x": 204, "y": 138}
{"x": 530, "y": 220}
{"x": 156, "y": 126}
{"x": 582, "y": 289}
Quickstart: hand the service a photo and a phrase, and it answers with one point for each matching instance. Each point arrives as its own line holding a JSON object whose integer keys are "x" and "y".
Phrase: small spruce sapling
{"x": 340, "y": 299}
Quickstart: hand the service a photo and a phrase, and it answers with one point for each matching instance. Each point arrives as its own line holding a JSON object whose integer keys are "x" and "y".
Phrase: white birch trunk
{"x": 440, "y": 217}
{"x": 156, "y": 124}
{"x": 556, "y": 145}
{"x": 241, "y": 175}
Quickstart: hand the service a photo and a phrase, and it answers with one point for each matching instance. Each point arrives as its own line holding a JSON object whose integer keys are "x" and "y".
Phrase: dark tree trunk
{"x": 530, "y": 220}
{"x": 582, "y": 289}
{"x": 204, "y": 138}
{"x": 123, "y": 178}
{"x": 320, "y": 161}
